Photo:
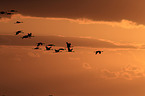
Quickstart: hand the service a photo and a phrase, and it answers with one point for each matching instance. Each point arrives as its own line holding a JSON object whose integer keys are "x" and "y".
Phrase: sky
{"x": 116, "y": 27}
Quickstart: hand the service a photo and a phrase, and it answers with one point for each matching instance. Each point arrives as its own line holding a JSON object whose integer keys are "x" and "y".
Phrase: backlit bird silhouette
{"x": 70, "y": 50}
{"x": 18, "y": 32}
{"x": 56, "y": 51}
{"x": 48, "y": 48}
{"x": 68, "y": 45}
{"x": 99, "y": 52}
{"x": 25, "y": 36}
{"x": 2, "y": 12}
{"x": 8, "y": 13}
{"x": 30, "y": 35}
{"x": 40, "y": 43}
{"x": 13, "y": 11}
{"x": 18, "y": 22}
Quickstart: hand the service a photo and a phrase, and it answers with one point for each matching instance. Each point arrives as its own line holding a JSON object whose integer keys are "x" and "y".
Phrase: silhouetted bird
{"x": 40, "y": 43}
{"x": 56, "y": 51}
{"x": 13, "y": 11}
{"x": 26, "y": 36}
{"x": 48, "y": 48}
{"x": 99, "y": 52}
{"x": 70, "y": 50}
{"x": 68, "y": 45}
{"x": 18, "y": 22}
{"x": 50, "y": 45}
{"x": 8, "y": 13}
{"x": 18, "y": 32}
{"x": 2, "y": 12}
{"x": 30, "y": 35}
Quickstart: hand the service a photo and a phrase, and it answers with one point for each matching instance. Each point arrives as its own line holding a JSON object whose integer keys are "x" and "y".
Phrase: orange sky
{"x": 119, "y": 33}
{"x": 118, "y": 71}
{"x": 26, "y": 72}
{"x": 124, "y": 31}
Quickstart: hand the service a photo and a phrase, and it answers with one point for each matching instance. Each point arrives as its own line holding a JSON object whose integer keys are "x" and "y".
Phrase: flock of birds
{"x": 48, "y": 46}
{"x": 11, "y": 12}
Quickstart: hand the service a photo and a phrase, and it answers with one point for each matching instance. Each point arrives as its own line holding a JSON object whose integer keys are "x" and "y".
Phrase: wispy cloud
{"x": 60, "y": 41}
{"x": 124, "y": 23}
{"x": 129, "y": 72}
{"x": 109, "y": 74}
{"x": 87, "y": 66}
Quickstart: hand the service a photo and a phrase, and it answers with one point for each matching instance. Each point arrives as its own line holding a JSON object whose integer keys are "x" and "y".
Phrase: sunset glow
{"x": 37, "y": 60}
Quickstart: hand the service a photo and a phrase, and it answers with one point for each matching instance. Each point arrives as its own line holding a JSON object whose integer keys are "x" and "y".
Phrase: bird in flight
{"x": 13, "y": 11}
{"x": 18, "y": 22}
{"x": 99, "y": 52}
{"x": 2, "y": 12}
{"x": 30, "y": 35}
{"x": 40, "y": 43}
{"x": 48, "y": 48}
{"x": 56, "y": 51}
{"x": 18, "y": 32}
{"x": 8, "y": 13}
{"x": 25, "y": 36}
{"x": 70, "y": 50}
{"x": 69, "y": 47}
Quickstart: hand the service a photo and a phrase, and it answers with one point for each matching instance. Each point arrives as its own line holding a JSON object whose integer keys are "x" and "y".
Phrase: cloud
{"x": 99, "y": 10}
{"x": 109, "y": 75}
{"x": 132, "y": 71}
{"x": 87, "y": 66}
{"x": 124, "y": 23}
{"x": 60, "y": 41}
{"x": 129, "y": 72}
{"x": 125, "y": 30}
{"x": 142, "y": 46}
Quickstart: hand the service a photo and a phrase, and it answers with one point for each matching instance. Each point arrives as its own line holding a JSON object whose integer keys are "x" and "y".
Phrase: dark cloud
{"x": 59, "y": 41}
{"x": 107, "y": 10}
